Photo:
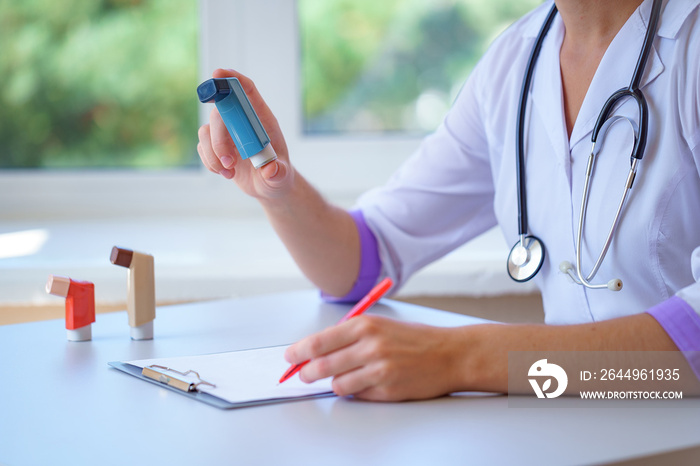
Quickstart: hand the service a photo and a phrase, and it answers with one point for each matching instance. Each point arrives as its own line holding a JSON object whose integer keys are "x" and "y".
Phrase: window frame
{"x": 266, "y": 48}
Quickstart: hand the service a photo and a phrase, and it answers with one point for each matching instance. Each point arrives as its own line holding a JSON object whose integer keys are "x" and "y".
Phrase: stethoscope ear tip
{"x": 615, "y": 284}
{"x": 565, "y": 266}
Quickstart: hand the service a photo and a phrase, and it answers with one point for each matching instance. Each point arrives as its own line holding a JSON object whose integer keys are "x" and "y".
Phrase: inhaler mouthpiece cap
{"x": 213, "y": 90}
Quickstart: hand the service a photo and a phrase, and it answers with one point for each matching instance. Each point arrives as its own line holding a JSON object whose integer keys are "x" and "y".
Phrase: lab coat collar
{"x": 546, "y": 92}
{"x": 533, "y": 22}
{"x": 673, "y": 15}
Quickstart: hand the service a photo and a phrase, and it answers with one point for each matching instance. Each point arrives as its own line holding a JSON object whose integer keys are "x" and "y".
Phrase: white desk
{"x": 61, "y": 404}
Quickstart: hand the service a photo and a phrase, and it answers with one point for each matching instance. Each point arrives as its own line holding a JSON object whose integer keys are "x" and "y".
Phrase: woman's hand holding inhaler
{"x": 219, "y": 154}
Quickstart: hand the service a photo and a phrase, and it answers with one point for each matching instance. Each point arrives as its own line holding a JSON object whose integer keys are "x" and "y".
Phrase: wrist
{"x": 478, "y": 365}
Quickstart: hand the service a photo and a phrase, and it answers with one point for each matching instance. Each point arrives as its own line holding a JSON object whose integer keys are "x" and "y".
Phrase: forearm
{"x": 486, "y": 360}
{"x": 321, "y": 237}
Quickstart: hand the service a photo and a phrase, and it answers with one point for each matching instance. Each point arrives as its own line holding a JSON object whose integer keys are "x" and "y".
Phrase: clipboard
{"x": 228, "y": 380}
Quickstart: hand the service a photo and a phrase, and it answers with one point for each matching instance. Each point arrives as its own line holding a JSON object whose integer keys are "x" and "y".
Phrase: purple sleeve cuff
{"x": 682, "y": 324}
{"x": 370, "y": 265}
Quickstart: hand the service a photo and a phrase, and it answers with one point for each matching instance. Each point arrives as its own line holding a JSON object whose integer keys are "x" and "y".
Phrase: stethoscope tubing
{"x": 641, "y": 136}
{"x": 522, "y": 105}
{"x": 633, "y": 90}
{"x": 584, "y": 206}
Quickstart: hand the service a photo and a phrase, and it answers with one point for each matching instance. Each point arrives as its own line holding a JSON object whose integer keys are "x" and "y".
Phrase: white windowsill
{"x": 207, "y": 258}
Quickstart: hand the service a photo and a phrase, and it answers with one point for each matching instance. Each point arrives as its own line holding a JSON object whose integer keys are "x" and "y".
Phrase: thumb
{"x": 276, "y": 174}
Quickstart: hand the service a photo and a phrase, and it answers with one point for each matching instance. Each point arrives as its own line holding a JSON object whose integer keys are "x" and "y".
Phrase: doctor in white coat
{"x": 462, "y": 181}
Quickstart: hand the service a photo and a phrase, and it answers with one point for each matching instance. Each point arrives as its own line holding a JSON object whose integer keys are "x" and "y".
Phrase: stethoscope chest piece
{"x": 525, "y": 259}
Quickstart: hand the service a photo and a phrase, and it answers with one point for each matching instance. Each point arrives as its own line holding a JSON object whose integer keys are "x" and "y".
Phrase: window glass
{"x": 392, "y": 65}
{"x": 106, "y": 83}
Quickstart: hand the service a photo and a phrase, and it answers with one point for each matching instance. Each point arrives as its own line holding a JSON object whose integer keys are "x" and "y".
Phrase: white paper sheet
{"x": 242, "y": 376}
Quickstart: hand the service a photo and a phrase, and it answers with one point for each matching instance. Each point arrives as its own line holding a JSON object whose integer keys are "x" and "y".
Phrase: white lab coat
{"x": 461, "y": 181}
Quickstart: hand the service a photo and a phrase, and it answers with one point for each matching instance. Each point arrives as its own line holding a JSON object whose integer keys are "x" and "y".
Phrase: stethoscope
{"x": 527, "y": 256}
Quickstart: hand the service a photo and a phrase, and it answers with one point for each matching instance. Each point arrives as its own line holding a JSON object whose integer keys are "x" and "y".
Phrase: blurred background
{"x": 110, "y": 83}
{"x": 99, "y": 118}
{"x": 98, "y": 84}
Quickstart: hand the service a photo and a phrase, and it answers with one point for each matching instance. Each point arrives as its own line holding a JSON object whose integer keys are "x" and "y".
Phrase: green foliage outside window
{"x": 92, "y": 83}
{"x": 111, "y": 83}
{"x": 392, "y": 65}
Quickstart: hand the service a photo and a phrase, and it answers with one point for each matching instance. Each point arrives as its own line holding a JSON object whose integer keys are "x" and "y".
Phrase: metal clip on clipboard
{"x": 173, "y": 380}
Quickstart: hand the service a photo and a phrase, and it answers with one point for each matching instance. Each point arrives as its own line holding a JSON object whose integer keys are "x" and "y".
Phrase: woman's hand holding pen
{"x": 376, "y": 358}
{"x": 381, "y": 359}
{"x": 219, "y": 153}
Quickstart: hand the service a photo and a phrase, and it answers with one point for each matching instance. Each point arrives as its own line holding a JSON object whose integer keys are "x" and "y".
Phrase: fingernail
{"x": 226, "y": 174}
{"x": 227, "y": 160}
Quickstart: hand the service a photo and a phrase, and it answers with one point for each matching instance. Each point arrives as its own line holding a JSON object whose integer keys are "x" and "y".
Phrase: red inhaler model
{"x": 80, "y": 305}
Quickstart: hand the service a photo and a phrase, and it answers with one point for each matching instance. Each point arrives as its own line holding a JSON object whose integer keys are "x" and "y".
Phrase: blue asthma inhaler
{"x": 240, "y": 119}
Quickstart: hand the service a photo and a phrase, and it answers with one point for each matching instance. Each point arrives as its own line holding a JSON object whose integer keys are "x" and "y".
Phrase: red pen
{"x": 364, "y": 304}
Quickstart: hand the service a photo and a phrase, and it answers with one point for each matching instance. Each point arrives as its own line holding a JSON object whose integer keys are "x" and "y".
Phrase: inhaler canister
{"x": 240, "y": 119}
